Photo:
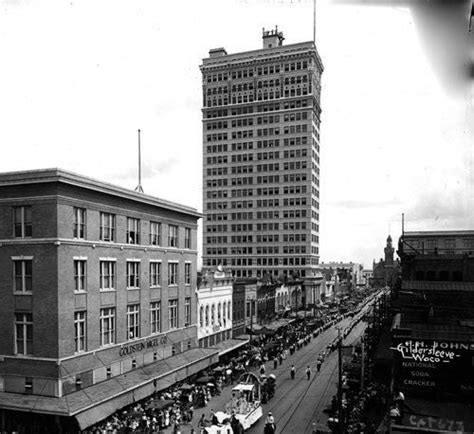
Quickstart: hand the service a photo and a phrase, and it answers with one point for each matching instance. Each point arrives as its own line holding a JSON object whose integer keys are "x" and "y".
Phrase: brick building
{"x": 261, "y": 177}
{"x": 97, "y": 296}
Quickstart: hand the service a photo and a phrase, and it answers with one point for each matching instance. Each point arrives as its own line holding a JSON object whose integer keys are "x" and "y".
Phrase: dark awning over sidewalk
{"x": 97, "y": 402}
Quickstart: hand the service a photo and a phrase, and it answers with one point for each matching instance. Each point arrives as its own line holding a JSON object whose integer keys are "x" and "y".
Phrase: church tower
{"x": 389, "y": 250}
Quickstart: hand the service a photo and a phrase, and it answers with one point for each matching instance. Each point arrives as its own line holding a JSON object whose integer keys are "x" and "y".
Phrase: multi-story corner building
{"x": 432, "y": 336}
{"x": 437, "y": 255}
{"x": 261, "y": 120}
{"x": 97, "y": 297}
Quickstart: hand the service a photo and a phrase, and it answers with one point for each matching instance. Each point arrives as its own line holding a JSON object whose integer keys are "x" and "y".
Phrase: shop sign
{"x": 135, "y": 348}
{"x": 435, "y": 352}
{"x": 429, "y": 422}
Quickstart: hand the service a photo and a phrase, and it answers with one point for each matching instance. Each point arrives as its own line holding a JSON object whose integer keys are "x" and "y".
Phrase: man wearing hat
{"x": 270, "y": 426}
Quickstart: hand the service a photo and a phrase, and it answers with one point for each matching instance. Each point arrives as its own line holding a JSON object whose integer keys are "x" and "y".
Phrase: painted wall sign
{"x": 434, "y": 352}
{"x": 429, "y": 422}
{"x": 134, "y": 348}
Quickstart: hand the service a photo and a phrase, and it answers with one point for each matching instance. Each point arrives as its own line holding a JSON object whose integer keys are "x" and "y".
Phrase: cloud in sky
{"x": 79, "y": 78}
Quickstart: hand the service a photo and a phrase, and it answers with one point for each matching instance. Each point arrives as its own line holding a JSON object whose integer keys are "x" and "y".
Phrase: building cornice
{"x": 56, "y": 175}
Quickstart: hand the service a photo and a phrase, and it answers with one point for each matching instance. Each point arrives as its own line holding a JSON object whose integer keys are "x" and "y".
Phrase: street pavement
{"x": 297, "y": 403}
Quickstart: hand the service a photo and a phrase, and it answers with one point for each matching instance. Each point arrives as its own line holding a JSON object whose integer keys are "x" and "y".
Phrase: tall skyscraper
{"x": 261, "y": 119}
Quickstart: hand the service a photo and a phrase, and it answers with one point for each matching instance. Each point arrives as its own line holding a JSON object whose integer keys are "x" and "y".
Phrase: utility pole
{"x": 339, "y": 388}
{"x": 362, "y": 364}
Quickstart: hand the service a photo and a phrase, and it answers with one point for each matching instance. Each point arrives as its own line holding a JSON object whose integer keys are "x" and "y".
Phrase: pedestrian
{"x": 319, "y": 363}
{"x": 190, "y": 413}
{"x": 214, "y": 420}
{"x": 269, "y": 424}
{"x": 293, "y": 372}
{"x": 262, "y": 369}
{"x": 202, "y": 422}
{"x": 280, "y": 358}
{"x": 275, "y": 363}
{"x": 308, "y": 372}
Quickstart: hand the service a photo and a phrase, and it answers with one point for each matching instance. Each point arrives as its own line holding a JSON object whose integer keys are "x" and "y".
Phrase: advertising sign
{"x": 432, "y": 365}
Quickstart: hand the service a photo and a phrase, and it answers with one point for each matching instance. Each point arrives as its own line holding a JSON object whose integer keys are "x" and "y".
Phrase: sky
{"x": 79, "y": 78}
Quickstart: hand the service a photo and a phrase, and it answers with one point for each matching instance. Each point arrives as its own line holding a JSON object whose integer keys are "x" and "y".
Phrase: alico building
{"x": 261, "y": 130}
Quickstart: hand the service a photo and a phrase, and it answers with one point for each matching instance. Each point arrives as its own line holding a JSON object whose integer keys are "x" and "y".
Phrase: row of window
{"x": 215, "y": 314}
{"x": 234, "y": 170}
{"x": 23, "y": 228}
{"x": 107, "y": 325}
{"x": 261, "y": 108}
{"x": 263, "y": 70}
{"x": 261, "y": 144}
{"x": 23, "y": 274}
{"x": 248, "y": 97}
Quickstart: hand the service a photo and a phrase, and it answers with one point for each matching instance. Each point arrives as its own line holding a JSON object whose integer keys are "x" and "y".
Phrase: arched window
{"x": 207, "y": 315}
{"x": 201, "y": 316}
{"x": 219, "y": 314}
{"x": 213, "y": 314}
{"x": 228, "y": 310}
{"x": 224, "y": 305}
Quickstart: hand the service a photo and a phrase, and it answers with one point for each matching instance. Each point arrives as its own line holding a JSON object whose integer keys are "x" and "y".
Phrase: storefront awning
{"x": 97, "y": 402}
{"x": 230, "y": 345}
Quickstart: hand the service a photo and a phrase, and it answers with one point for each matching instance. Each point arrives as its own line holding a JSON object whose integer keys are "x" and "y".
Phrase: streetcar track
{"x": 325, "y": 340}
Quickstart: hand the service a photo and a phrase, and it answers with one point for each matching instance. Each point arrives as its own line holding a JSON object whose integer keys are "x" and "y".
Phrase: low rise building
{"x": 215, "y": 307}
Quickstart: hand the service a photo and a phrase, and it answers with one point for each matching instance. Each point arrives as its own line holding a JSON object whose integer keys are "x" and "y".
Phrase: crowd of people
{"x": 175, "y": 407}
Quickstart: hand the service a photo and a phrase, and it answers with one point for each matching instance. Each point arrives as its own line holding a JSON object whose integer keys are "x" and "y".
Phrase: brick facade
{"x": 52, "y": 364}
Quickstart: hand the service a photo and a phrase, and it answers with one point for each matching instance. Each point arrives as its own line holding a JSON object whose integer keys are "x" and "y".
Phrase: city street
{"x": 297, "y": 403}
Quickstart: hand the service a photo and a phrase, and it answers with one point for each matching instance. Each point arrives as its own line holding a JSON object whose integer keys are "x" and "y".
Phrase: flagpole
{"x": 314, "y": 21}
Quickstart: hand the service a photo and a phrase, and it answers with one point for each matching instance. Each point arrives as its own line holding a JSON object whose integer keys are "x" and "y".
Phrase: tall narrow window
{"x": 173, "y": 313}
{"x": 187, "y": 238}
{"x": 22, "y": 226}
{"x": 207, "y": 315}
{"x": 213, "y": 315}
{"x": 79, "y": 229}
{"x": 107, "y": 274}
{"x": 155, "y": 234}
{"x": 23, "y": 275}
{"x": 107, "y": 326}
{"x": 24, "y": 333}
{"x": 133, "y": 231}
{"x": 133, "y": 321}
{"x": 155, "y": 317}
{"x": 172, "y": 273}
{"x": 187, "y": 311}
{"x": 155, "y": 274}
{"x": 80, "y": 269}
{"x": 187, "y": 273}
{"x": 133, "y": 274}
{"x": 107, "y": 227}
{"x": 201, "y": 316}
{"x": 172, "y": 236}
{"x": 80, "y": 331}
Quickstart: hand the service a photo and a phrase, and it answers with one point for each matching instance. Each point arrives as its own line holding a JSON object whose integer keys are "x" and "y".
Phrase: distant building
{"x": 261, "y": 145}
{"x": 349, "y": 274}
{"x": 97, "y": 297}
{"x": 368, "y": 276}
{"x": 386, "y": 271}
